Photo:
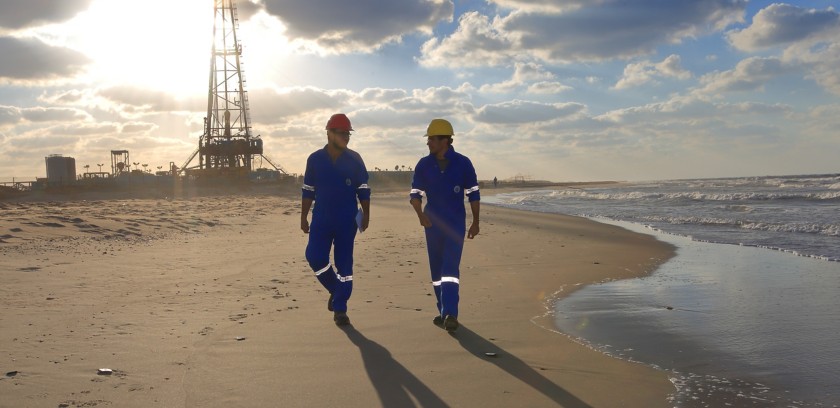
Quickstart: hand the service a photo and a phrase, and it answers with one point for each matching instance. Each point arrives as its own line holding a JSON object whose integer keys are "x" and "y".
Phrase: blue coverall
{"x": 335, "y": 188}
{"x": 444, "y": 191}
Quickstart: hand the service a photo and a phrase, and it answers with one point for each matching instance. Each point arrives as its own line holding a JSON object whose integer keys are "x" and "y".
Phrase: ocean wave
{"x": 831, "y": 230}
{"x": 689, "y": 196}
{"x": 758, "y": 213}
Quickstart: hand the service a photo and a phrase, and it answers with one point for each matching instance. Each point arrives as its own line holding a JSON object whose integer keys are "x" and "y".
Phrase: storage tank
{"x": 60, "y": 169}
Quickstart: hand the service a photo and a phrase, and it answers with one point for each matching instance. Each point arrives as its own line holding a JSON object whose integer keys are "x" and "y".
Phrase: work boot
{"x": 438, "y": 321}
{"x": 330, "y": 303}
{"x": 341, "y": 319}
{"x": 450, "y": 323}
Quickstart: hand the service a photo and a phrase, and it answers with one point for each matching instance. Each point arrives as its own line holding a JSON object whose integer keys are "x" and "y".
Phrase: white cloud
{"x": 780, "y": 24}
{"x": 9, "y": 115}
{"x": 270, "y": 106}
{"x": 553, "y": 6}
{"x": 27, "y": 59}
{"x": 548, "y": 87}
{"x": 476, "y": 42}
{"x": 41, "y": 114}
{"x": 358, "y": 26}
{"x": 523, "y": 74}
{"x": 518, "y": 111}
{"x": 750, "y": 74}
{"x": 591, "y": 32}
{"x": 640, "y": 73}
{"x": 810, "y": 38}
{"x": 17, "y": 14}
{"x": 132, "y": 99}
{"x": 820, "y": 63}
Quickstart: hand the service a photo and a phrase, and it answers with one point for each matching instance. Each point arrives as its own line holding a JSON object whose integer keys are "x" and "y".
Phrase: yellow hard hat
{"x": 440, "y": 127}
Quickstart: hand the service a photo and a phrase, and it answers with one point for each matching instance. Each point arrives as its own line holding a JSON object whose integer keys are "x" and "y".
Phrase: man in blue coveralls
{"x": 335, "y": 177}
{"x": 443, "y": 177}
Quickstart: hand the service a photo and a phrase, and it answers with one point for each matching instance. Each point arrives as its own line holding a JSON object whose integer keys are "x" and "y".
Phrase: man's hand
{"x": 305, "y": 205}
{"x": 424, "y": 220}
{"x": 365, "y": 222}
{"x": 473, "y": 230}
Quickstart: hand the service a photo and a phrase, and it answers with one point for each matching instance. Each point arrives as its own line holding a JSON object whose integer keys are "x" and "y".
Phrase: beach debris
{"x": 490, "y": 354}
{"x": 240, "y": 338}
{"x": 669, "y": 307}
{"x": 104, "y": 371}
{"x": 11, "y": 373}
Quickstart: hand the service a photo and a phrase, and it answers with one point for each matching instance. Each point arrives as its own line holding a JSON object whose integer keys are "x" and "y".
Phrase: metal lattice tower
{"x": 226, "y": 142}
{"x": 226, "y": 148}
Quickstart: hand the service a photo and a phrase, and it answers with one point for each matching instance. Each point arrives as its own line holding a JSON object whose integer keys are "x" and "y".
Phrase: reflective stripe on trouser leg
{"x": 434, "y": 245}
{"x": 318, "y": 256}
{"x": 344, "y": 240}
{"x": 449, "y": 296}
{"x": 445, "y": 247}
{"x": 436, "y": 287}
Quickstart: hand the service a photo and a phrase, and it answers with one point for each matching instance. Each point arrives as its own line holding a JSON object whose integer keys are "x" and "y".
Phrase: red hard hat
{"x": 339, "y": 121}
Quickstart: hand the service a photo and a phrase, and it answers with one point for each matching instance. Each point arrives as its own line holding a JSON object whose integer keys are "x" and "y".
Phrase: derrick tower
{"x": 227, "y": 147}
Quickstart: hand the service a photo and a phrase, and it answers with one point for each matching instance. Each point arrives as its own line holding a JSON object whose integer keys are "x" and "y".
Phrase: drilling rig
{"x": 227, "y": 148}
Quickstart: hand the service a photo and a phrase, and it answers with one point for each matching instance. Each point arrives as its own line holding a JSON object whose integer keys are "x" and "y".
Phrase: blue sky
{"x": 560, "y": 90}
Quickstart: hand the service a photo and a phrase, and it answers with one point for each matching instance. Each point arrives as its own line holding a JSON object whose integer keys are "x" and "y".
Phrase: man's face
{"x": 437, "y": 144}
{"x": 338, "y": 138}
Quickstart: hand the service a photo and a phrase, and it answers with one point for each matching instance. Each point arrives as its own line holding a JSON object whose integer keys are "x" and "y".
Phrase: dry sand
{"x": 209, "y": 302}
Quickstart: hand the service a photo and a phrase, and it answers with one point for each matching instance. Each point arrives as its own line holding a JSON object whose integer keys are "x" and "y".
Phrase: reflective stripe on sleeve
{"x": 324, "y": 269}
{"x": 471, "y": 190}
{"x": 364, "y": 186}
{"x": 308, "y": 187}
{"x": 417, "y": 191}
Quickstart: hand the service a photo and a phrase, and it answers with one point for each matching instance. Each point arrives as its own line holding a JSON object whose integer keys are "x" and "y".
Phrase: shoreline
{"x": 236, "y": 271}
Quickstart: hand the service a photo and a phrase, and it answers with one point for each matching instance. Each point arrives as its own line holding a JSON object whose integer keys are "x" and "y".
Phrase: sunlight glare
{"x": 156, "y": 44}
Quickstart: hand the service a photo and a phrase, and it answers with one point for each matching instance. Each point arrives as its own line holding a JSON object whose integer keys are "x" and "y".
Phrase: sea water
{"x": 746, "y": 314}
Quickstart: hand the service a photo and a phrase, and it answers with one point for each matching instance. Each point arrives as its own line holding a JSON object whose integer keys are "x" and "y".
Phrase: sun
{"x": 162, "y": 45}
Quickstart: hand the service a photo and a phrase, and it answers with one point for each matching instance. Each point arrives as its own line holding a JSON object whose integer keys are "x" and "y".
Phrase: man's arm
{"x": 305, "y": 205}
{"x": 366, "y": 216}
{"x": 475, "y": 206}
{"x": 418, "y": 208}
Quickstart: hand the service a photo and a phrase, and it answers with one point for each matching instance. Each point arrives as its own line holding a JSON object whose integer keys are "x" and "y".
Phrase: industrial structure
{"x": 61, "y": 170}
{"x": 227, "y": 148}
{"x": 119, "y": 162}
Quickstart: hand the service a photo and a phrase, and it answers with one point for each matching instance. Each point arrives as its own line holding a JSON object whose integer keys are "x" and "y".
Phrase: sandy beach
{"x": 209, "y": 301}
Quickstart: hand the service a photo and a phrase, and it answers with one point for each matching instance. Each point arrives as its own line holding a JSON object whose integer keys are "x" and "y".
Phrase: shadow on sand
{"x": 394, "y": 383}
{"x": 517, "y": 368}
